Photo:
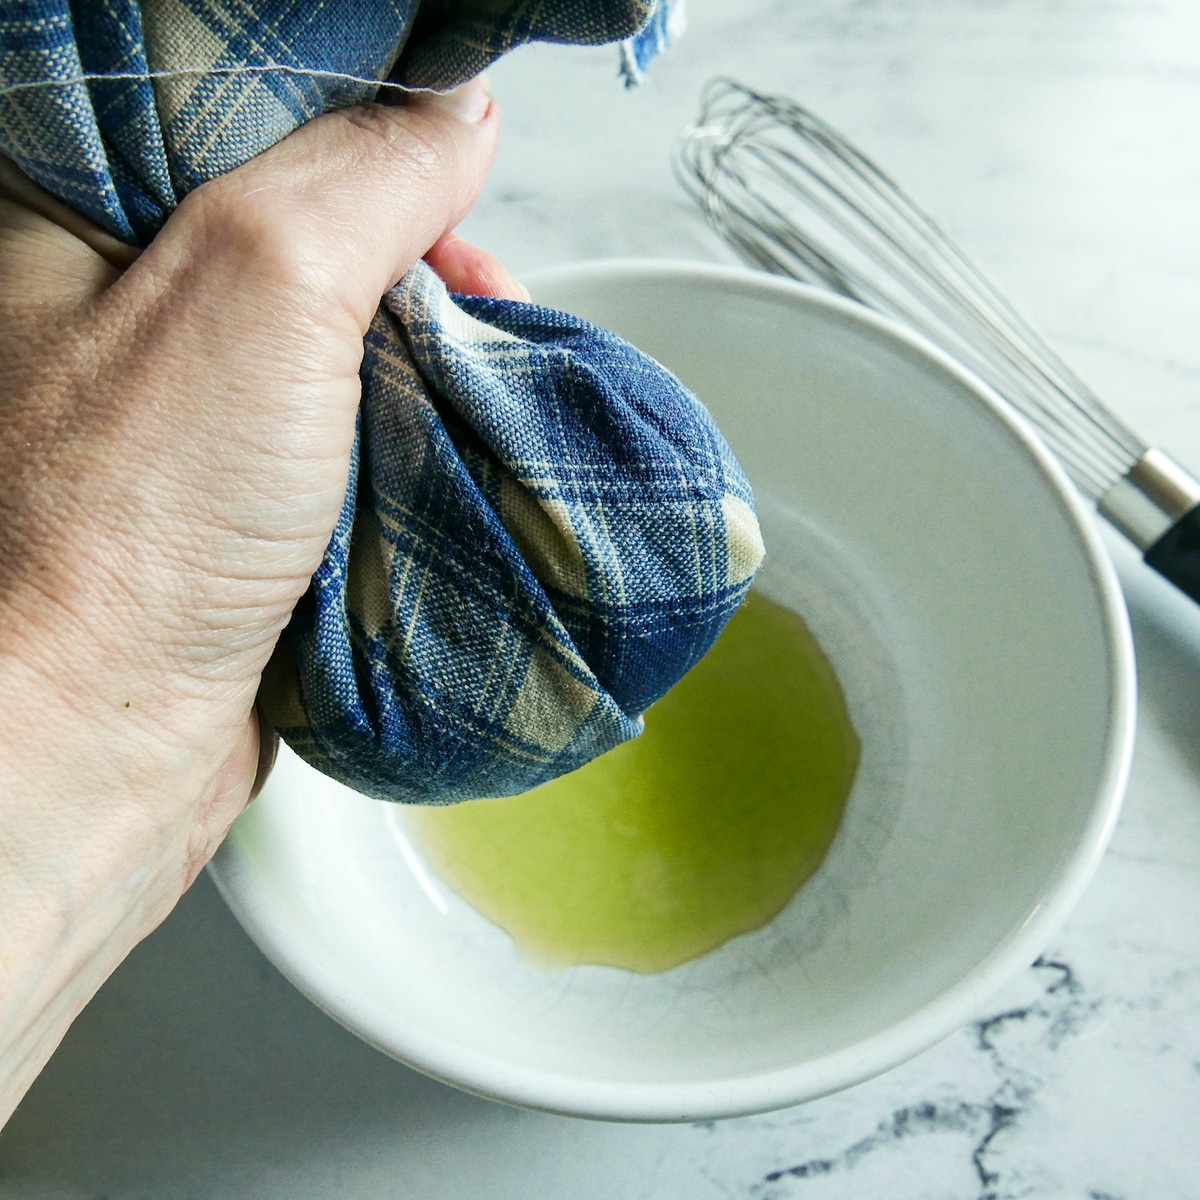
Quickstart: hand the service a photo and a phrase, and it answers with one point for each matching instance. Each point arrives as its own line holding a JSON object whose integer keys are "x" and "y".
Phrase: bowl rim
{"x": 283, "y": 942}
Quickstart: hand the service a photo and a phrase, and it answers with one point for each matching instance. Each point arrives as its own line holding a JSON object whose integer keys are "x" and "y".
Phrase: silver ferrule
{"x": 1149, "y": 498}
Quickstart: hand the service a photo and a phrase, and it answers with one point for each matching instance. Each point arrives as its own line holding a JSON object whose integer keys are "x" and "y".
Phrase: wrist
{"x": 103, "y": 824}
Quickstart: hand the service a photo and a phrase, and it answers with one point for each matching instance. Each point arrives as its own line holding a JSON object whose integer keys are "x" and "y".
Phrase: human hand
{"x": 174, "y": 448}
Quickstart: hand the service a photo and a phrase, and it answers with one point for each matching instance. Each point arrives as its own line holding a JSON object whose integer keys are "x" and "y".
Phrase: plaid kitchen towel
{"x": 543, "y": 529}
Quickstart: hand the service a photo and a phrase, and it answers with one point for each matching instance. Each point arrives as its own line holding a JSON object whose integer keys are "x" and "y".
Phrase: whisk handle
{"x": 1156, "y": 505}
{"x": 1176, "y": 555}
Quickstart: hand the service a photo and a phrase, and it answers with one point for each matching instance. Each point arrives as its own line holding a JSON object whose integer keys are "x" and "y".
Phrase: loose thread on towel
{"x": 182, "y": 72}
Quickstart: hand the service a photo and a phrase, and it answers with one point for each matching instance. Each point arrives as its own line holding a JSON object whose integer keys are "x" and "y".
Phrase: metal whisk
{"x": 793, "y": 196}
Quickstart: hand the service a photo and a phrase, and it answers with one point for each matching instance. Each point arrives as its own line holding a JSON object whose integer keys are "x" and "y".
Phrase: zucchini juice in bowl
{"x": 699, "y": 830}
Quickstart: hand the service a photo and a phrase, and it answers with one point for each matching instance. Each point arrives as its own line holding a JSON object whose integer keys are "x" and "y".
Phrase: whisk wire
{"x": 792, "y": 196}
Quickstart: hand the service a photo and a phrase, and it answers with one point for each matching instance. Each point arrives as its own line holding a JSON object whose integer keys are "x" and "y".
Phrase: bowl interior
{"x": 980, "y": 639}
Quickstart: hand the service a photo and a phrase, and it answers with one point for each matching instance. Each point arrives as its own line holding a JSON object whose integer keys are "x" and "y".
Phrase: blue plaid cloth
{"x": 543, "y": 529}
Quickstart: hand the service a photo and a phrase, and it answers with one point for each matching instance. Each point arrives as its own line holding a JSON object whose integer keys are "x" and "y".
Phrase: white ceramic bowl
{"x": 953, "y": 578}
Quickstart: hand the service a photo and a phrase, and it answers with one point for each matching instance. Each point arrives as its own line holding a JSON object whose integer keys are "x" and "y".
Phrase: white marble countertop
{"x": 1059, "y": 142}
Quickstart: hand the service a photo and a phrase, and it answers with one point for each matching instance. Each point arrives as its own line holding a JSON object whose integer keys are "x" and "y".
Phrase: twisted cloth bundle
{"x": 543, "y": 530}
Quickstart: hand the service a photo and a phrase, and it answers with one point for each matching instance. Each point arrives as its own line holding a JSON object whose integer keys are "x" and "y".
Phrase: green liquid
{"x": 668, "y": 846}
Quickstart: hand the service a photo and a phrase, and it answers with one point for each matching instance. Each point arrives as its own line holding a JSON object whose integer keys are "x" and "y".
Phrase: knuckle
{"x": 397, "y": 139}
{"x": 256, "y": 223}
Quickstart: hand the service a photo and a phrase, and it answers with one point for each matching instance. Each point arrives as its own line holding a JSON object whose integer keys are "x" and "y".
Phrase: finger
{"x": 49, "y": 254}
{"x": 15, "y": 185}
{"x": 467, "y": 269}
{"x": 336, "y": 213}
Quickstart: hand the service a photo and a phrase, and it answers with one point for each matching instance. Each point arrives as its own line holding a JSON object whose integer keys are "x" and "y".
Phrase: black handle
{"x": 1176, "y": 555}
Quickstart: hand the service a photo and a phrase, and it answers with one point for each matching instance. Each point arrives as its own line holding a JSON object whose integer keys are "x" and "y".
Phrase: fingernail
{"x": 523, "y": 290}
{"x": 468, "y": 102}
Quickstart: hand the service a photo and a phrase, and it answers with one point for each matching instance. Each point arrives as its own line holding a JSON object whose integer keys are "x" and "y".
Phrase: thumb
{"x": 334, "y": 214}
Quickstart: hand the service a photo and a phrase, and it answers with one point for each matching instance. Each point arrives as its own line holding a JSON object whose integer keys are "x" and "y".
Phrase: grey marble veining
{"x": 1058, "y": 142}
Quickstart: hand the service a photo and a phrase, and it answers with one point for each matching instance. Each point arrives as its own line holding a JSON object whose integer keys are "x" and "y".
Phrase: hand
{"x": 174, "y": 449}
